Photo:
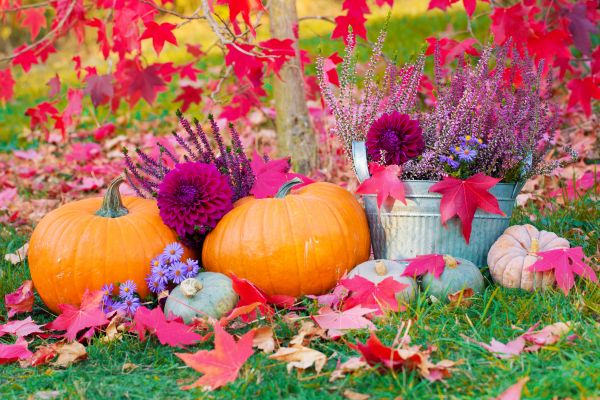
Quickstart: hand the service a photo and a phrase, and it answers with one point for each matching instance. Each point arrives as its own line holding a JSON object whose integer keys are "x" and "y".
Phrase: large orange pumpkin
{"x": 293, "y": 244}
{"x": 88, "y": 243}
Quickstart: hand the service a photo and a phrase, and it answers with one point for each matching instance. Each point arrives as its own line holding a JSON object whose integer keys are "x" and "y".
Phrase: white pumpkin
{"x": 515, "y": 251}
{"x": 378, "y": 270}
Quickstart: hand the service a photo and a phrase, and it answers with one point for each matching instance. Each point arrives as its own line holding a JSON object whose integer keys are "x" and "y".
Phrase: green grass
{"x": 563, "y": 370}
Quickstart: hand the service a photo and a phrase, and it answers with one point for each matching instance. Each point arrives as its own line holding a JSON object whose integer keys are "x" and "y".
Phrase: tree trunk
{"x": 295, "y": 134}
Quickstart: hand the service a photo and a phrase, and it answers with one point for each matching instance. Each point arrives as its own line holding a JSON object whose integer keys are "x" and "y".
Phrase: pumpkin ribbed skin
{"x": 72, "y": 249}
{"x": 459, "y": 275}
{"x": 296, "y": 245}
{"x": 513, "y": 253}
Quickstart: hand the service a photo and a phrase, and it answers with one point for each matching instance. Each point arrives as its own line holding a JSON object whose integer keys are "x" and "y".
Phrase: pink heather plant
{"x": 355, "y": 110}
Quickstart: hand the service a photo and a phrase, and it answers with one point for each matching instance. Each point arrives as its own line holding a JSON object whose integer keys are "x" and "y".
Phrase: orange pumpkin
{"x": 294, "y": 244}
{"x": 88, "y": 243}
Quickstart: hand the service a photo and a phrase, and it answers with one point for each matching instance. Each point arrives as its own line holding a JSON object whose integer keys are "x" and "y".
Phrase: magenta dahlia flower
{"x": 192, "y": 198}
{"x": 394, "y": 138}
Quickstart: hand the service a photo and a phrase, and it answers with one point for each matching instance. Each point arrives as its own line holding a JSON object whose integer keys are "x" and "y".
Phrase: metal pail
{"x": 415, "y": 229}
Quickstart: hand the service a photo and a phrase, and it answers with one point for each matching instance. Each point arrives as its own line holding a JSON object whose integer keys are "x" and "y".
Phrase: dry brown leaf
{"x": 263, "y": 339}
{"x": 69, "y": 353}
{"x": 462, "y": 298}
{"x": 300, "y": 357}
{"x": 348, "y": 366}
{"x": 308, "y": 331}
{"x": 44, "y": 395}
{"x": 113, "y": 331}
{"x": 128, "y": 367}
{"x": 18, "y": 256}
{"x": 349, "y": 394}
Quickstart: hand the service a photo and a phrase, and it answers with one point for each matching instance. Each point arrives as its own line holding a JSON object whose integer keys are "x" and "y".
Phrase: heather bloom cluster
{"x": 492, "y": 117}
{"x": 169, "y": 268}
{"x": 146, "y": 175}
{"x": 394, "y": 95}
{"x": 126, "y": 302}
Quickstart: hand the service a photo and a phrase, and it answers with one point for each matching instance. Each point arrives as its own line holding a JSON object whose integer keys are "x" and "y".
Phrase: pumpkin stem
{"x": 287, "y": 187}
{"x": 450, "y": 261}
{"x": 380, "y": 268}
{"x": 535, "y": 246}
{"x": 190, "y": 287}
{"x": 112, "y": 205}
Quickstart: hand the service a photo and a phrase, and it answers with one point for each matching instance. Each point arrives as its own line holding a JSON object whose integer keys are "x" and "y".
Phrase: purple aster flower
{"x": 155, "y": 283}
{"x": 127, "y": 289}
{"x": 450, "y": 161}
{"x": 107, "y": 290}
{"x": 394, "y": 138}
{"x": 193, "y": 197}
{"x": 177, "y": 272}
{"x": 156, "y": 262}
{"x": 467, "y": 154}
{"x": 172, "y": 253}
{"x": 130, "y": 305}
{"x": 109, "y": 305}
{"x": 161, "y": 273}
{"x": 191, "y": 268}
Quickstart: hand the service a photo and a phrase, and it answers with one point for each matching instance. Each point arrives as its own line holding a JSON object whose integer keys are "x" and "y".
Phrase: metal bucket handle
{"x": 359, "y": 159}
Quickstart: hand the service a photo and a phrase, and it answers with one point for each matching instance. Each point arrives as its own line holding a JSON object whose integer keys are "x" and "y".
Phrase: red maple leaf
{"x": 367, "y": 294}
{"x": 450, "y": 48}
{"x": 20, "y": 328}
{"x": 343, "y": 22}
{"x": 380, "y": 3}
{"x": 595, "y": 61}
{"x": 100, "y": 88}
{"x": 270, "y": 175}
{"x": 440, "y": 4}
{"x": 54, "y": 84}
{"x": 7, "y": 89}
{"x": 44, "y": 49}
{"x": 385, "y": 183}
{"x": 102, "y": 38}
{"x": 278, "y": 52}
{"x": 34, "y": 19}
{"x": 428, "y": 263}
{"x": 21, "y": 300}
{"x": 581, "y": 28}
{"x": 221, "y": 365}
{"x": 565, "y": 263}
{"x": 190, "y": 95}
{"x": 463, "y": 197}
{"x": 190, "y": 72}
{"x": 250, "y": 294}
{"x": 242, "y": 59}
{"x": 24, "y": 58}
{"x": 243, "y": 7}
{"x": 73, "y": 319}
{"x": 104, "y": 131}
{"x": 145, "y": 83}
{"x": 336, "y": 322}
{"x": 194, "y": 49}
{"x": 376, "y": 353}
{"x": 550, "y": 46}
{"x": 583, "y": 90}
{"x": 510, "y": 22}
{"x": 356, "y": 7}
{"x": 13, "y": 352}
{"x": 159, "y": 33}
{"x": 169, "y": 332}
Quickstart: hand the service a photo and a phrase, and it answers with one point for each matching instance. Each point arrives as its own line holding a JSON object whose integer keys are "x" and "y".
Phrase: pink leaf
{"x": 6, "y": 197}
{"x": 104, "y": 131}
{"x": 7, "y": 89}
{"x": 429, "y": 263}
{"x": 34, "y": 19}
{"x": 73, "y": 319}
{"x": 385, "y": 183}
{"x": 336, "y": 322}
{"x": 367, "y": 294}
{"x": 21, "y": 300}
{"x": 270, "y": 175}
{"x": 20, "y": 328}
{"x": 12, "y": 352}
{"x": 169, "y": 332}
{"x": 514, "y": 391}
{"x": 565, "y": 263}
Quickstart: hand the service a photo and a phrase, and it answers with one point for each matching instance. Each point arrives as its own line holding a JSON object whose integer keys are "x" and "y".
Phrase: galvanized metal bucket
{"x": 415, "y": 229}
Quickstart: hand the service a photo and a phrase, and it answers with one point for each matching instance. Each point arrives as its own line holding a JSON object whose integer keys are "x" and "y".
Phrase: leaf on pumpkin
{"x": 13, "y": 352}
{"x": 514, "y": 391}
{"x": 385, "y": 183}
{"x": 337, "y": 322}
{"x": 428, "y": 263}
{"x": 168, "y": 332}
{"x": 270, "y": 175}
{"x": 378, "y": 296}
{"x": 18, "y": 256}
{"x": 69, "y": 353}
{"x": 565, "y": 263}
{"x": 21, "y": 300}
{"x": 222, "y": 364}
{"x": 263, "y": 339}
{"x": 20, "y": 328}
{"x": 250, "y": 294}
{"x": 349, "y": 366}
{"x": 73, "y": 319}
{"x": 463, "y": 197}
{"x": 300, "y": 357}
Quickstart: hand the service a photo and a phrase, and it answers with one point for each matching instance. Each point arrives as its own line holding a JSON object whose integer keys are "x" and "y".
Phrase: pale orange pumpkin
{"x": 294, "y": 244}
{"x": 515, "y": 251}
{"x": 88, "y": 243}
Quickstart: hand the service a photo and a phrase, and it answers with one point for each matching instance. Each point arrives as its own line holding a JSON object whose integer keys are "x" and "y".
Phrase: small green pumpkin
{"x": 210, "y": 294}
{"x": 458, "y": 274}
{"x": 378, "y": 270}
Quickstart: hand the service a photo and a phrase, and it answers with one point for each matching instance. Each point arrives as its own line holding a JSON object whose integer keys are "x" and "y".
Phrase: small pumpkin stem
{"x": 190, "y": 287}
{"x": 287, "y": 187}
{"x": 380, "y": 268}
{"x": 535, "y": 246}
{"x": 112, "y": 205}
{"x": 450, "y": 261}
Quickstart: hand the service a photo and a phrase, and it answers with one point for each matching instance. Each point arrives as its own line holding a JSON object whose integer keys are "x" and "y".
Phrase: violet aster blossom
{"x": 127, "y": 289}
{"x": 177, "y": 272}
{"x": 467, "y": 154}
{"x": 394, "y": 138}
{"x": 450, "y": 161}
{"x": 155, "y": 283}
{"x": 192, "y": 198}
{"x": 191, "y": 268}
{"x": 107, "y": 291}
{"x": 130, "y": 305}
{"x": 172, "y": 253}
{"x": 109, "y": 305}
{"x": 161, "y": 273}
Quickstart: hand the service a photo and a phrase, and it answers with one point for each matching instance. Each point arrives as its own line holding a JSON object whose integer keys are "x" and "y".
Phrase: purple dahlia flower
{"x": 394, "y": 138}
{"x": 193, "y": 197}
